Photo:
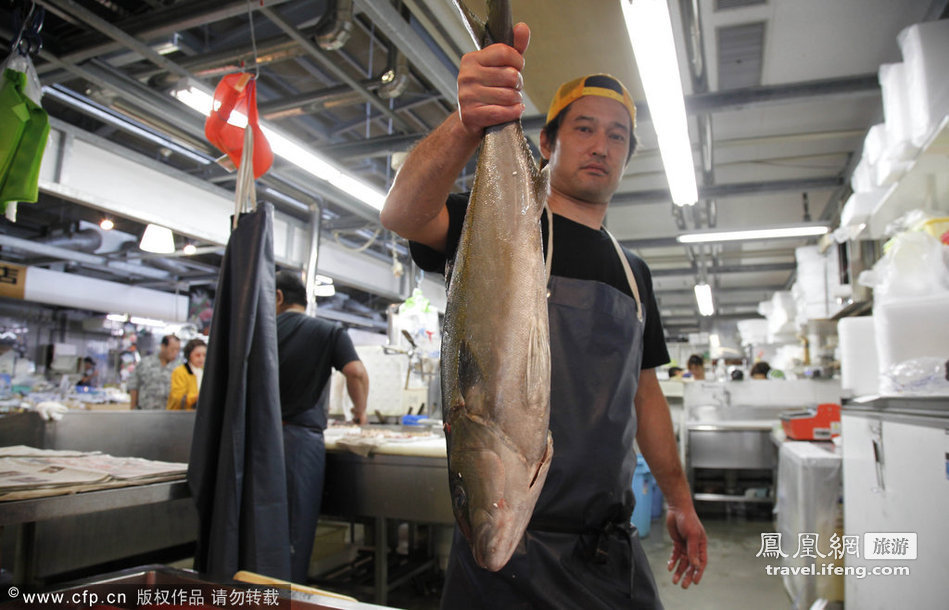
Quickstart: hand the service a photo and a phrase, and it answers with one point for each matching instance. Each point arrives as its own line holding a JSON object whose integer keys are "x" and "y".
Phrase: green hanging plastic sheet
{"x": 25, "y": 128}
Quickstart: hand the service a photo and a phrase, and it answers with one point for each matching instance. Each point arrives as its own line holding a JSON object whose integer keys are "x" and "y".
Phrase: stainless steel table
{"x": 397, "y": 481}
{"x": 26, "y": 513}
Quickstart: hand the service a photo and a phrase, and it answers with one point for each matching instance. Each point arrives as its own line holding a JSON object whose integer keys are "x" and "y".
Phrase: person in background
{"x": 89, "y": 373}
{"x": 579, "y": 550}
{"x": 697, "y": 367}
{"x": 308, "y": 349}
{"x": 675, "y": 372}
{"x": 151, "y": 381}
{"x": 760, "y": 370}
{"x": 186, "y": 379}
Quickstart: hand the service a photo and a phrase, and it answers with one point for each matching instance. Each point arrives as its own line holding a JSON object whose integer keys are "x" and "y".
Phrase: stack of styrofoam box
{"x": 915, "y": 101}
{"x": 925, "y": 48}
{"x": 780, "y": 312}
{"x": 753, "y": 331}
{"x": 818, "y": 284}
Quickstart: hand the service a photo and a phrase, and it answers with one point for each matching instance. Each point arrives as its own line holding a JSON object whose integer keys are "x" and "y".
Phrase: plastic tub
{"x": 656, "y": 499}
{"x": 642, "y": 489}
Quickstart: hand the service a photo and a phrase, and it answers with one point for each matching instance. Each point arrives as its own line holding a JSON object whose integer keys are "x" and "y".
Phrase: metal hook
{"x": 28, "y": 40}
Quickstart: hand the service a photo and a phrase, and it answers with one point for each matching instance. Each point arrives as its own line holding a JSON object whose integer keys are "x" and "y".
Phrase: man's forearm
{"x": 656, "y": 439}
{"x": 358, "y": 389}
{"x": 426, "y": 178}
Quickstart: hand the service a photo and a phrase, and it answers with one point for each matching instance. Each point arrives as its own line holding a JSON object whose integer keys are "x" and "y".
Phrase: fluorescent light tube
{"x": 292, "y": 151}
{"x": 703, "y": 297}
{"x": 704, "y": 237}
{"x": 650, "y": 32}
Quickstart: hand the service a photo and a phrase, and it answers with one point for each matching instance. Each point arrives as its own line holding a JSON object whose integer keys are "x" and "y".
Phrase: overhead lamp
{"x": 703, "y": 297}
{"x": 106, "y": 224}
{"x": 189, "y": 249}
{"x": 704, "y": 237}
{"x": 117, "y": 317}
{"x": 650, "y": 32}
{"x": 292, "y": 151}
{"x": 157, "y": 239}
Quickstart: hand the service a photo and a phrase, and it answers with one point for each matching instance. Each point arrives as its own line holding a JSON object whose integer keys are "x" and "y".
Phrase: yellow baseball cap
{"x": 603, "y": 85}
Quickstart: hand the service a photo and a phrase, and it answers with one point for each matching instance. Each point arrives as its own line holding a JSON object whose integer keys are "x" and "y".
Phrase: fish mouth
{"x": 492, "y": 547}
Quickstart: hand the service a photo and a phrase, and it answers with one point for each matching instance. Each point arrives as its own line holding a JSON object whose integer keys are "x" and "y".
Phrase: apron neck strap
{"x": 630, "y": 278}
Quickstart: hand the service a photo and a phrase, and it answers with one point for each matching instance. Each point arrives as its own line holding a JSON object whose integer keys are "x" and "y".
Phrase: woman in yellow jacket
{"x": 186, "y": 379}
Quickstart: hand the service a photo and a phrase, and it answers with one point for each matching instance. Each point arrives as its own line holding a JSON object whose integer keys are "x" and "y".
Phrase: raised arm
{"x": 489, "y": 93}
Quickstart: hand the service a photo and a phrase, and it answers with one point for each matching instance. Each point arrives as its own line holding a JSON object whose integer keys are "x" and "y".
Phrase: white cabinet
{"x": 896, "y": 480}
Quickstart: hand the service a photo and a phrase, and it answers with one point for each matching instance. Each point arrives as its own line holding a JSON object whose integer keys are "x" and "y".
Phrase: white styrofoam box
{"x": 861, "y": 181}
{"x": 858, "y": 208}
{"x": 874, "y": 144}
{"x": 911, "y": 327}
{"x": 896, "y": 112}
{"x": 859, "y": 367}
{"x": 888, "y": 171}
{"x": 925, "y": 48}
{"x": 753, "y": 331}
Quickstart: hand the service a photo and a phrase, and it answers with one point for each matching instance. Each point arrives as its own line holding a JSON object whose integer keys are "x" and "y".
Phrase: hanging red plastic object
{"x": 237, "y": 93}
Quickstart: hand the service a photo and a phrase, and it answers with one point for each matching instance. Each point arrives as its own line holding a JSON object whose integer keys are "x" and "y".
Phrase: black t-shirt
{"x": 579, "y": 253}
{"x": 308, "y": 349}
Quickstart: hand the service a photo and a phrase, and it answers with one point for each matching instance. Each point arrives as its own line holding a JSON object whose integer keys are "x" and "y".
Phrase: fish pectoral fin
{"x": 544, "y": 464}
{"x": 538, "y": 361}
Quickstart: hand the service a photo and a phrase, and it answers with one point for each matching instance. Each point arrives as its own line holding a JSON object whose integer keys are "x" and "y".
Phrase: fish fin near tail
{"x": 473, "y": 23}
{"x": 541, "y": 183}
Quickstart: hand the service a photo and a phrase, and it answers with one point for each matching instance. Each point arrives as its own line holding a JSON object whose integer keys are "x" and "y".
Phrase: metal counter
{"x": 61, "y": 534}
{"x": 389, "y": 484}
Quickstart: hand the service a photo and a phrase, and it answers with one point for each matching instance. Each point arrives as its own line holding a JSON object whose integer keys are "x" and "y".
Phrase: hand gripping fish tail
{"x": 496, "y": 344}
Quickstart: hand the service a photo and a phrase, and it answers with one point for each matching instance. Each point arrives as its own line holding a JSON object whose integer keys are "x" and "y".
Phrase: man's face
{"x": 170, "y": 352}
{"x": 589, "y": 155}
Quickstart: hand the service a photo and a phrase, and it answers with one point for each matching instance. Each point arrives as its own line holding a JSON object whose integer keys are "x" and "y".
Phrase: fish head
{"x": 493, "y": 492}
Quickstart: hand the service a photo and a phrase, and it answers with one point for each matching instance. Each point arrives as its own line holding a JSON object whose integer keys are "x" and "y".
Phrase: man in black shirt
{"x": 308, "y": 349}
{"x": 605, "y": 336}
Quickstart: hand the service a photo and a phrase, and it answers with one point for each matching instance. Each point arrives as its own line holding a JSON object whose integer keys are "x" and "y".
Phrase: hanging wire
{"x": 253, "y": 37}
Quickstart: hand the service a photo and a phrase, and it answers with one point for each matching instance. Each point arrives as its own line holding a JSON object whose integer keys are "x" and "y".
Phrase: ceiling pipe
{"x": 91, "y": 260}
{"x": 86, "y": 240}
{"x": 331, "y": 66}
{"x": 158, "y": 24}
{"x": 339, "y": 28}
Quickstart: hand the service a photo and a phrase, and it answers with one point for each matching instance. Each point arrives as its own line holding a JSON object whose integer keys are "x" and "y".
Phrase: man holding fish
{"x": 605, "y": 340}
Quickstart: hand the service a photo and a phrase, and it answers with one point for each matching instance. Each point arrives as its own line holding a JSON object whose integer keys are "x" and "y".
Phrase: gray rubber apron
{"x": 580, "y": 550}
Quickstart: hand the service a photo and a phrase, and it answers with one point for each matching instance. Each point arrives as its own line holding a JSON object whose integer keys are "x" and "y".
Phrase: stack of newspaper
{"x": 27, "y": 472}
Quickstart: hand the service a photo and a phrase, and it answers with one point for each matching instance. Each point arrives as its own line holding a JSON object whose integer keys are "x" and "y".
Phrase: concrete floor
{"x": 734, "y": 578}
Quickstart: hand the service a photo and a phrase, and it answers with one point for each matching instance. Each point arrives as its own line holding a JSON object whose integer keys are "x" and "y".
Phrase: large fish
{"x": 496, "y": 345}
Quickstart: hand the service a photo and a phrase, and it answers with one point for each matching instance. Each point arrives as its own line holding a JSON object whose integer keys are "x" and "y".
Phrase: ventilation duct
{"x": 86, "y": 240}
{"x": 396, "y": 79}
{"x": 340, "y": 26}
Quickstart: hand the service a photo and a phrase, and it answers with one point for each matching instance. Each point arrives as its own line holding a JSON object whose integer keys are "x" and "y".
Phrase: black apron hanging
{"x": 236, "y": 472}
{"x": 580, "y": 550}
